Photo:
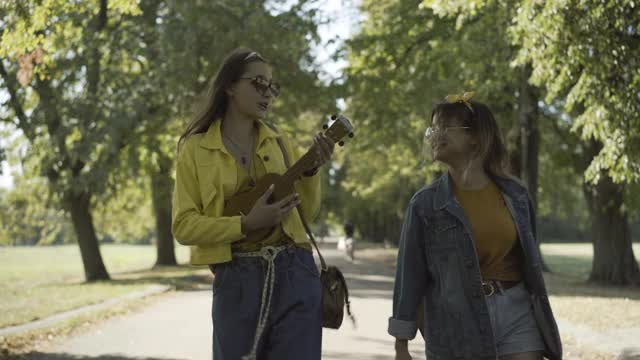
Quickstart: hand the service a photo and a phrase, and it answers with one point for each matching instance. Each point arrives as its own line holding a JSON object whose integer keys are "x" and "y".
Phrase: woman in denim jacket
{"x": 469, "y": 268}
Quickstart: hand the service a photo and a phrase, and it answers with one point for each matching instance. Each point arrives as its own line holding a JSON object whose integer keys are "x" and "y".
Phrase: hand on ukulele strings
{"x": 265, "y": 215}
{"x": 324, "y": 148}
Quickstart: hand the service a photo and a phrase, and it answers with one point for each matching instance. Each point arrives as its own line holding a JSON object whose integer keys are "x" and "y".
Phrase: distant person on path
{"x": 266, "y": 291}
{"x": 349, "y": 246}
{"x": 468, "y": 256}
{"x": 323, "y": 231}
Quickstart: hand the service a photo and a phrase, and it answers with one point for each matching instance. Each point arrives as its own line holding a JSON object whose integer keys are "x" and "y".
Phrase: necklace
{"x": 243, "y": 159}
{"x": 239, "y": 148}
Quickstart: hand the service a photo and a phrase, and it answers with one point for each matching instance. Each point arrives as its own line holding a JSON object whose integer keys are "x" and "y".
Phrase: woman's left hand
{"x": 323, "y": 147}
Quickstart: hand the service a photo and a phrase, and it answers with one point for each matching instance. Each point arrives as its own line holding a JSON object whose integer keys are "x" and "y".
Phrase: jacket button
{"x": 265, "y": 158}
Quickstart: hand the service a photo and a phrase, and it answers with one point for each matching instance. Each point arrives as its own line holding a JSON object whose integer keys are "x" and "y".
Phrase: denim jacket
{"x": 437, "y": 261}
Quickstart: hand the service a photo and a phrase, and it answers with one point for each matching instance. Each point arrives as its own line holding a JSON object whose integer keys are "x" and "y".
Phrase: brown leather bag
{"x": 335, "y": 295}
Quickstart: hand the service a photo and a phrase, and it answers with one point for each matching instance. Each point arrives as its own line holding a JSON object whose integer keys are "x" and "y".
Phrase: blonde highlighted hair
{"x": 491, "y": 147}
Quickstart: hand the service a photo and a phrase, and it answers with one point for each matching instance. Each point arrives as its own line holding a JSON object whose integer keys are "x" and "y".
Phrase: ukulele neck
{"x": 304, "y": 164}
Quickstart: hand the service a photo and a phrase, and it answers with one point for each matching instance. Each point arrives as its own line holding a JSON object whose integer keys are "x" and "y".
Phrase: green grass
{"x": 602, "y": 308}
{"x": 36, "y": 282}
{"x": 573, "y": 259}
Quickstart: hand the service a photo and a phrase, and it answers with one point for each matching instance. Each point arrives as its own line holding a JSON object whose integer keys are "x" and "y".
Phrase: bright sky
{"x": 5, "y": 179}
{"x": 344, "y": 16}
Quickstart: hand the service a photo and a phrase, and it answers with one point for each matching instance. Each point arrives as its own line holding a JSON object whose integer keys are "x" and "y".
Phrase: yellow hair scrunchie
{"x": 464, "y": 98}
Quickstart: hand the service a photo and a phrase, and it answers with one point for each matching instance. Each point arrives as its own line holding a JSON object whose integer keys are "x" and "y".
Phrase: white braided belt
{"x": 269, "y": 253}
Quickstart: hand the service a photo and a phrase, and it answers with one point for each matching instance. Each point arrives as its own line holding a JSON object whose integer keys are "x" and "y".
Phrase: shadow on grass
{"x": 569, "y": 277}
{"x": 181, "y": 277}
{"x": 45, "y": 356}
{"x": 577, "y": 266}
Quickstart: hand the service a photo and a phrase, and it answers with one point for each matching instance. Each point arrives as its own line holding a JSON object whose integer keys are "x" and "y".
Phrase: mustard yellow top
{"x": 494, "y": 232}
{"x": 206, "y": 174}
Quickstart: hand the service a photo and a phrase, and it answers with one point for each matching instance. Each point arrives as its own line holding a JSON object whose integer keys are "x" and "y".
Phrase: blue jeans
{"x": 294, "y": 326}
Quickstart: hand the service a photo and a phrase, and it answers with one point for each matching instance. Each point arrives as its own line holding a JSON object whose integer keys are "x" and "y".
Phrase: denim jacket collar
{"x": 508, "y": 186}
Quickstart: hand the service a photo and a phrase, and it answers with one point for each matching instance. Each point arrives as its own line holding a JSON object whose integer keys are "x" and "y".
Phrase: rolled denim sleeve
{"x": 411, "y": 275}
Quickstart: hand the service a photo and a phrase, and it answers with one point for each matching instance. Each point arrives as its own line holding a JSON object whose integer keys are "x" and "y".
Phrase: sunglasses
{"x": 262, "y": 86}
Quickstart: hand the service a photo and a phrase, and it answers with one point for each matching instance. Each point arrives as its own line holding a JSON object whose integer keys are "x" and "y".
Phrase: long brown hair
{"x": 215, "y": 98}
{"x": 492, "y": 150}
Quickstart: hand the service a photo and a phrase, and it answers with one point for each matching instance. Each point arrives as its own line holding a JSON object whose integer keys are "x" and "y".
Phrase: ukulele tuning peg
{"x": 351, "y": 135}
{"x": 325, "y": 126}
{"x": 341, "y": 143}
{"x": 334, "y": 116}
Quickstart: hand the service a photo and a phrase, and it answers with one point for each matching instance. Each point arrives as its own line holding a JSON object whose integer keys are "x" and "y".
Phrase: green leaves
{"x": 27, "y": 218}
{"x": 594, "y": 64}
{"x": 410, "y": 54}
{"x": 103, "y": 104}
{"x": 105, "y": 92}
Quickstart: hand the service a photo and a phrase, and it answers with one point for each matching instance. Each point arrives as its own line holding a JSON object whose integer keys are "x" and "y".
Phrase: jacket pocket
{"x": 273, "y": 158}
{"x": 443, "y": 235}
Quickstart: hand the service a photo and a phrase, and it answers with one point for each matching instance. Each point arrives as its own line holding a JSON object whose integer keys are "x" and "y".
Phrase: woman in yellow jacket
{"x": 266, "y": 292}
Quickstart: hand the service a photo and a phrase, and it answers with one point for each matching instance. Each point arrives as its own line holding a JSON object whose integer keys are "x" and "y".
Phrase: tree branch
{"x": 15, "y": 102}
{"x": 53, "y": 122}
{"x": 93, "y": 73}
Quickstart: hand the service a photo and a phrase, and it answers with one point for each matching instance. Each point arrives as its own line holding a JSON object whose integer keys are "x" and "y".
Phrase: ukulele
{"x": 242, "y": 203}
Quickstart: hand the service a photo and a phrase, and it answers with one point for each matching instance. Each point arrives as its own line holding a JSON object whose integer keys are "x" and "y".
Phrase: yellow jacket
{"x": 206, "y": 175}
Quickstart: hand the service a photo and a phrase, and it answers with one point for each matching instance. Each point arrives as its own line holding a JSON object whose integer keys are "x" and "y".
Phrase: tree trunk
{"x": 529, "y": 140}
{"x": 613, "y": 260}
{"x": 79, "y": 206}
{"x": 514, "y": 145}
{"x": 161, "y": 187}
{"x": 530, "y": 136}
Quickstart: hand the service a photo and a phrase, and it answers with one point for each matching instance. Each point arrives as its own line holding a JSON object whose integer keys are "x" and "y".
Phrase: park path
{"x": 178, "y": 326}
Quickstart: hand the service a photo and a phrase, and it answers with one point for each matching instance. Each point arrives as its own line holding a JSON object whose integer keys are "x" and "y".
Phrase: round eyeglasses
{"x": 432, "y": 132}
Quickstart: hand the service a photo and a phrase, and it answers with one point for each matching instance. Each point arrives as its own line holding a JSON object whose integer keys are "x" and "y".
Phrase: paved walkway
{"x": 178, "y": 326}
